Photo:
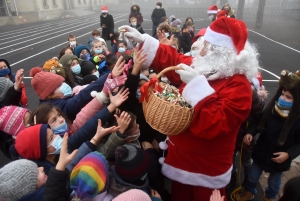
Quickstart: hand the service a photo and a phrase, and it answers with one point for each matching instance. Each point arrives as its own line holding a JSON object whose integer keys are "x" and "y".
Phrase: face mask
{"x": 134, "y": 10}
{"x": 167, "y": 34}
{"x": 97, "y": 74}
{"x": 193, "y": 53}
{"x": 85, "y": 56}
{"x": 284, "y": 103}
{"x": 211, "y": 17}
{"x": 134, "y": 137}
{"x": 98, "y": 51}
{"x": 104, "y": 15}
{"x": 133, "y": 24}
{"x": 72, "y": 43}
{"x": 144, "y": 177}
{"x": 121, "y": 49}
{"x": 76, "y": 69}
{"x": 4, "y": 72}
{"x": 66, "y": 90}
{"x": 56, "y": 144}
{"x": 138, "y": 94}
{"x": 178, "y": 26}
{"x": 157, "y": 7}
{"x": 164, "y": 79}
{"x": 61, "y": 128}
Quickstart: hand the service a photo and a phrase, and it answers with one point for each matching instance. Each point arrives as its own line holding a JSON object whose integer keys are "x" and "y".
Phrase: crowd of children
{"x": 88, "y": 138}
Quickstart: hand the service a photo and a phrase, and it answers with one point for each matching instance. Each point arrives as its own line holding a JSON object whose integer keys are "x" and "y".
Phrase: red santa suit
{"x": 200, "y": 158}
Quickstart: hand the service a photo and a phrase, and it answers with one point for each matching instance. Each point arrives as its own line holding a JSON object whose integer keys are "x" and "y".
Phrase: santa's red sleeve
{"x": 161, "y": 56}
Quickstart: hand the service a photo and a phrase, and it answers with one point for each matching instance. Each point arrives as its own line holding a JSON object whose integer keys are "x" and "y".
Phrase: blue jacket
{"x": 72, "y": 106}
{"x": 90, "y": 43}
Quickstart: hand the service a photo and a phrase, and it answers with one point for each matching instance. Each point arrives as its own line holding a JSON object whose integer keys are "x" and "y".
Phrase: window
{"x": 54, "y": 2}
{"x": 44, "y": 2}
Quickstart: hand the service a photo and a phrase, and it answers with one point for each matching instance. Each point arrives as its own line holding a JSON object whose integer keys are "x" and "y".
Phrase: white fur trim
{"x": 212, "y": 12}
{"x": 196, "y": 179}
{"x": 196, "y": 90}
{"x": 104, "y": 11}
{"x": 150, "y": 47}
{"x": 218, "y": 39}
{"x": 102, "y": 98}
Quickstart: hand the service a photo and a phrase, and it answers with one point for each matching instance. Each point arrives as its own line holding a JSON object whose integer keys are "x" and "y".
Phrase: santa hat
{"x": 104, "y": 9}
{"x": 200, "y": 33}
{"x": 222, "y": 13}
{"x": 212, "y": 9}
{"x": 227, "y": 32}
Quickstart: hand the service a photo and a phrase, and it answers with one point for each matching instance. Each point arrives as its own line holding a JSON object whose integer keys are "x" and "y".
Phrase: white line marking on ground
{"x": 275, "y": 41}
{"x": 269, "y": 72}
{"x": 270, "y": 80}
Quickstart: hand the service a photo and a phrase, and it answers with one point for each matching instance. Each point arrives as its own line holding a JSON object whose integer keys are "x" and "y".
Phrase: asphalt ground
{"x": 29, "y": 45}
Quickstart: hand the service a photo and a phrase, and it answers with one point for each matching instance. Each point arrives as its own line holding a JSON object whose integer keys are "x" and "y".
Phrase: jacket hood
{"x": 137, "y": 8}
{"x": 7, "y": 64}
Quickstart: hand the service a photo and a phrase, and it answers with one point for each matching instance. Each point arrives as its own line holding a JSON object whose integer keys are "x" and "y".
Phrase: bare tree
{"x": 260, "y": 14}
{"x": 240, "y": 10}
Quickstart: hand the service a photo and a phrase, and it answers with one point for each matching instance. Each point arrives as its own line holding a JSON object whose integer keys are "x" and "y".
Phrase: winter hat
{"x": 11, "y": 119}
{"x": 87, "y": 67}
{"x": 131, "y": 163}
{"x": 31, "y": 142}
{"x": 200, "y": 33}
{"x": 291, "y": 82}
{"x": 90, "y": 176}
{"x": 174, "y": 22}
{"x": 17, "y": 179}
{"x": 79, "y": 48}
{"x": 212, "y": 9}
{"x": 227, "y": 32}
{"x": 45, "y": 83}
{"x": 53, "y": 66}
{"x": 5, "y": 84}
{"x": 143, "y": 77}
{"x": 88, "y": 79}
{"x": 133, "y": 195}
{"x": 67, "y": 59}
{"x": 34, "y": 71}
{"x": 101, "y": 39}
{"x": 104, "y": 9}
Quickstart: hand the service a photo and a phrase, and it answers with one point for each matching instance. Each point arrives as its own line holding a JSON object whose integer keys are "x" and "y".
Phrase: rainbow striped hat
{"x": 90, "y": 176}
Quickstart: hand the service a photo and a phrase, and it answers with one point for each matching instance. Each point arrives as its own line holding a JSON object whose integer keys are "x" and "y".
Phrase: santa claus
{"x": 216, "y": 84}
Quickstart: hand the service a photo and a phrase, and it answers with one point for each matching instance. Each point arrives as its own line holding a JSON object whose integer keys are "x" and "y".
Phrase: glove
{"x": 188, "y": 74}
{"x": 112, "y": 83}
{"x": 133, "y": 34}
{"x": 128, "y": 66}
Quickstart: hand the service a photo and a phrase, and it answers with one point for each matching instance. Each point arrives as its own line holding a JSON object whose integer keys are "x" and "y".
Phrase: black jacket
{"x": 267, "y": 144}
{"x": 185, "y": 41}
{"x": 12, "y": 97}
{"x": 157, "y": 14}
{"x": 109, "y": 22}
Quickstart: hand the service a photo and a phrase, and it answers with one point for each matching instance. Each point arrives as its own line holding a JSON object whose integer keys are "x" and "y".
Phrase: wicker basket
{"x": 163, "y": 116}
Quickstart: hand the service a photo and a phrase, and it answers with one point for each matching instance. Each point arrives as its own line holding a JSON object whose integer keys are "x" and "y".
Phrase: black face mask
{"x": 134, "y": 10}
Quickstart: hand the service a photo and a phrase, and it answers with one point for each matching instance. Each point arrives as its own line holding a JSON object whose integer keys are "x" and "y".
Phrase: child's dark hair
{"x": 291, "y": 190}
{"x": 163, "y": 19}
{"x": 111, "y": 59}
{"x": 130, "y": 127}
{"x": 41, "y": 114}
{"x": 126, "y": 57}
{"x": 116, "y": 35}
{"x": 62, "y": 52}
{"x": 71, "y": 36}
{"x": 189, "y": 18}
{"x": 96, "y": 33}
{"x": 159, "y": 4}
{"x": 122, "y": 41}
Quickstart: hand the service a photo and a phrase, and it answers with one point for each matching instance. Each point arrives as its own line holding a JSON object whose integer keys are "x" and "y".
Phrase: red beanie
{"x": 31, "y": 143}
{"x": 45, "y": 83}
{"x": 227, "y": 32}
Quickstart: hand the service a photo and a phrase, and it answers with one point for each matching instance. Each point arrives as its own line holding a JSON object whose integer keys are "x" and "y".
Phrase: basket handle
{"x": 168, "y": 69}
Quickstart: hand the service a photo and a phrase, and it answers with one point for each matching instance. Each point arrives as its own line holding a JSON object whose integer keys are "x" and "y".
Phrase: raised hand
{"x": 132, "y": 34}
{"x": 119, "y": 67}
{"x": 139, "y": 59}
{"x": 119, "y": 98}
{"x": 19, "y": 79}
{"x": 123, "y": 121}
{"x": 187, "y": 74}
{"x": 216, "y": 196}
{"x": 65, "y": 158}
{"x": 112, "y": 83}
{"x": 101, "y": 132}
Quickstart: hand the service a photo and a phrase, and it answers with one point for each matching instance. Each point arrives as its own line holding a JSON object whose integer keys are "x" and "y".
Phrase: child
{"x": 95, "y": 34}
{"x": 72, "y": 41}
{"x": 291, "y": 190}
{"x": 138, "y": 195}
{"x": 122, "y": 45}
{"x": 133, "y": 23}
{"x": 145, "y": 71}
{"x": 114, "y": 40}
{"x": 111, "y": 61}
{"x": 65, "y": 50}
{"x": 98, "y": 52}
{"x": 71, "y": 62}
{"x": 279, "y": 141}
{"x": 83, "y": 53}
{"x": 89, "y": 68}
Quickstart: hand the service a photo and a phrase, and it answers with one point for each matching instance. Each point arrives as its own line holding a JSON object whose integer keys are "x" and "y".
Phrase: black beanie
{"x": 87, "y": 67}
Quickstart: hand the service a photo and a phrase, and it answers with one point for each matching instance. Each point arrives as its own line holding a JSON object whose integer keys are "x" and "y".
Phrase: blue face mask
{"x": 4, "y": 72}
{"x": 105, "y": 15}
{"x": 284, "y": 103}
{"x": 97, "y": 74}
{"x": 76, "y": 69}
{"x": 66, "y": 90}
{"x": 98, "y": 51}
{"x": 85, "y": 56}
{"x": 133, "y": 24}
{"x": 61, "y": 128}
{"x": 193, "y": 53}
{"x": 167, "y": 34}
{"x": 121, "y": 49}
{"x": 56, "y": 144}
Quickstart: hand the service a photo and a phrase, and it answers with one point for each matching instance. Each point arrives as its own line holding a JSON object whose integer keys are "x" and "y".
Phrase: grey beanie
{"x": 17, "y": 179}
{"x": 5, "y": 84}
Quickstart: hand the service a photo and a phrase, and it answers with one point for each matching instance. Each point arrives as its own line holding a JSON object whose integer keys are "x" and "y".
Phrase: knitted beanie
{"x": 87, "y": 67}
{"x": 45, "y": 83}
{"x": 11, "y": 119}
{"x": 90, "y": 176}
{"x": 31, "y": 143}
{"x": 5, "y": 84}
{"x": 35, "y": 70}
{"x": 79, "y": 48}
{"x": 131, "y": 163}
{"x": 53, "y": 66}
{"x": 67, "y": 59}
{"x": 133, "y": 195}
{"x": 17, "y": 179}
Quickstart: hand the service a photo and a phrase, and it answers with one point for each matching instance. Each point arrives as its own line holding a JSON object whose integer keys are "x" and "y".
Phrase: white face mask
{"x": 72, "y": 43}
{"x": 158, "y": 7}
{"x": 133, "y": 137}
{"x": 211, "y": 17}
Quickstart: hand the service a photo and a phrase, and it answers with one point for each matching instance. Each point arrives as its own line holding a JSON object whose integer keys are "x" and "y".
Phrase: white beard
{"x": 220, "y": 62}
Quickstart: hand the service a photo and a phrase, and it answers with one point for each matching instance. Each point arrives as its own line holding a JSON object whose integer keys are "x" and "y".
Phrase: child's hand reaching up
{"x": 65, "y": 158}
{"x": 216, "y": 196}
{"x": 19, "y": 79}
{"x": 123, "y": 121}
{"x": 119, "y": 67}
{"x": 119, "y": 98}
{"x": 101, "y": 132}
{"x": 139, "y": 59}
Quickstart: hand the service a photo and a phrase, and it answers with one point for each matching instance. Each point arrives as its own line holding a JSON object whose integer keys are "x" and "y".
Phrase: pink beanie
{"x": 11, "y": 119}
{"x": 133, "y": 195}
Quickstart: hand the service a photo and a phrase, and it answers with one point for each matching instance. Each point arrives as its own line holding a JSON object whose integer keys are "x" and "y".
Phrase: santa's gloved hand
{"x": 132, "y": 34}
{"x": 188, "y": 74}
